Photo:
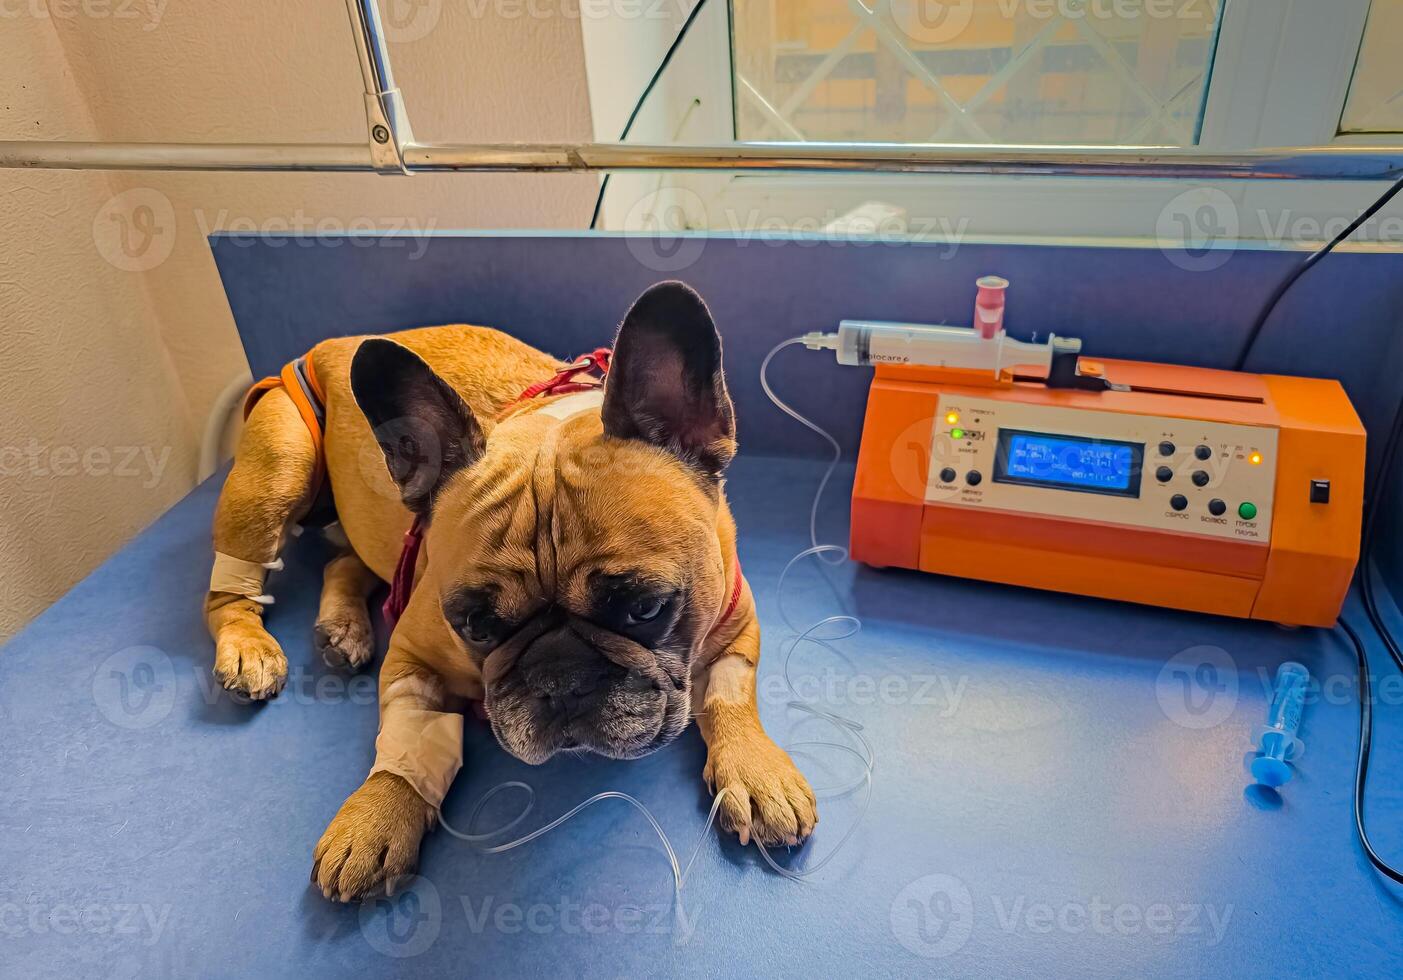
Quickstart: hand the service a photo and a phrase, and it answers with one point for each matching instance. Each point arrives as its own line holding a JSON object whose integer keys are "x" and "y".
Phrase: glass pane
{"x": 1375, "y": 102}
{"x": 973, "y": 71}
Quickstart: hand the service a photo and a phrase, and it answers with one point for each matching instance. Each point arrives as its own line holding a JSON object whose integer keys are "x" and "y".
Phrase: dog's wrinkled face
{"x": 577, "y": 562}
{"x": 581, "y": 573}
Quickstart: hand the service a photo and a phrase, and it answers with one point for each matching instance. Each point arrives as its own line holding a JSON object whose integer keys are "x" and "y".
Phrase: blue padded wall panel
{"x": 567, "y": 293}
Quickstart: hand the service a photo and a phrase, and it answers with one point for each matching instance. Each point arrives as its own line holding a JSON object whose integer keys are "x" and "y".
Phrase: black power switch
{"x": 1320, "y": 491}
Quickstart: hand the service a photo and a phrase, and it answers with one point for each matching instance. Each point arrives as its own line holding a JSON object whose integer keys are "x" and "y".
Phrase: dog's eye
{"x": 645, "y": 610}
{"x": 482, "y": 627}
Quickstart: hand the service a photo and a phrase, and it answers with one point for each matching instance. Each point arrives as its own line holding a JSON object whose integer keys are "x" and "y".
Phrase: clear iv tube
{"x": 843, "y": 626}
{"x": 815, "y": 548}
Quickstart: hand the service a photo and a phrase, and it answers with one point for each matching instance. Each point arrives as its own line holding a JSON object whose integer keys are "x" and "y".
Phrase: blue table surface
{"x": 1059, "y": 789}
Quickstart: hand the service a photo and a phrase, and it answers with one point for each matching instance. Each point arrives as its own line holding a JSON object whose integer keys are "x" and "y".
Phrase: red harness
{"x": 565, "y": 381}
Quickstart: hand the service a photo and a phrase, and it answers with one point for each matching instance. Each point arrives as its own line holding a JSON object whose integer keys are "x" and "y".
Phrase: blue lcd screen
{"x": 1089, "y": 465}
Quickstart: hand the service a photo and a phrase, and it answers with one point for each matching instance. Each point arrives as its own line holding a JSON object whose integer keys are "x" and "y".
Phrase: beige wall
{"x": 114, "y": 330}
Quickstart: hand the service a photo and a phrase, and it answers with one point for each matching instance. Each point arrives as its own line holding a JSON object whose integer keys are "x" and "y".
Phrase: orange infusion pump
{"x": 1207, "y": 490}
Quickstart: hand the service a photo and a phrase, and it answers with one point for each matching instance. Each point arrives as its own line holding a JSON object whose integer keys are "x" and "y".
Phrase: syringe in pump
{"x": 984, "y": 347}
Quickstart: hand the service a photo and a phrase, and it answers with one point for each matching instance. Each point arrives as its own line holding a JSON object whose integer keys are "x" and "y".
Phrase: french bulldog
{"x": 578, "y": 575}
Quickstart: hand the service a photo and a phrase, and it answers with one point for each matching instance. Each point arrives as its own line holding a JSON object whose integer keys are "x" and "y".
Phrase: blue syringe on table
{"x": 1277, "y": 741}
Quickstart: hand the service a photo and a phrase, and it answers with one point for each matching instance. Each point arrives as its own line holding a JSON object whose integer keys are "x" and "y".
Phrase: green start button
{"x": 1247, "y": 511}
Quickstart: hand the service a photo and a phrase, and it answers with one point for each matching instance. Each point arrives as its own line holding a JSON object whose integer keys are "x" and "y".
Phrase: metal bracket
{"x": 387, "y": 123}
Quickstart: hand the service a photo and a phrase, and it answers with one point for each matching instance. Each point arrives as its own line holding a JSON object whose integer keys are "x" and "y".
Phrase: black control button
{"x": 1178, "y": 501}
{"x": 1200, "y": 478}
{"x": 1217, "y": 507}
{"x": 1203, "y": 452}
{"x": 974, "y": 478}
{"x": 947, "y": 475}
{"x": 1166, "y": 448}
{"x": 1320, "y": 491}
{"x": 1164, "y": 474}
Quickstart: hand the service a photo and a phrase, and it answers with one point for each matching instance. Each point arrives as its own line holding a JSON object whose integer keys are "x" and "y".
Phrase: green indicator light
{"x": 1247, "y": 512}
{"x": 957, "y": 433}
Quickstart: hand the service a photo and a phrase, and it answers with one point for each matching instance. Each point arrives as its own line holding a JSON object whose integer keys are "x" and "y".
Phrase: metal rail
{"x": 391, "y": 149}
{"x": 1308, "y": 163}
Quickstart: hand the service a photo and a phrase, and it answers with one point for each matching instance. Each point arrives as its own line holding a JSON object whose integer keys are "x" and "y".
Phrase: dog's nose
{"x": 567, "y": 673}
{"x": 569, "y": 681}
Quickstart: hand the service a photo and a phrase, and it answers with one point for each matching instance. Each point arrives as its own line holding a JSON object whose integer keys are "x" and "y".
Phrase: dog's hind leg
{"x": 343, "y": 633}
{"x": 269, "y": 488}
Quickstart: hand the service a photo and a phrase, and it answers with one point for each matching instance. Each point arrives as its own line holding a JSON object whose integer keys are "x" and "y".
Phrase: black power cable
{"x": 1370, "y": 527}
{"x": 642, "y": 99}
{"x": 1371, "y": 609}
{"x": 1361, "y": 765}
{"x": 1270, "y": 306}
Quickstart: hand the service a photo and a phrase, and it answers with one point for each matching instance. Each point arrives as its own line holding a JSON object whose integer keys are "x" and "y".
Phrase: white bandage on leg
{"x": 425, "y": 748}
{"x": 239, "y": 577}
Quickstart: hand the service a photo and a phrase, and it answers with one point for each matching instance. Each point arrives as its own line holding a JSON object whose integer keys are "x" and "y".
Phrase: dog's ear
{"x": 424, "y": 428}
{"x": 665, "y": 383}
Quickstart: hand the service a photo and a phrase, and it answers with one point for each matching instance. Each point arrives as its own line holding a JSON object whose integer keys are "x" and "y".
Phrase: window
{"x": 1216, "y": 74}
{"x": 973, "y": 71}
{"x": 1375, "y": 102}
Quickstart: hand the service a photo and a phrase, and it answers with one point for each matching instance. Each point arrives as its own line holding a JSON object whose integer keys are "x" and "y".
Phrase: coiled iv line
{"x": 823, "y": 633}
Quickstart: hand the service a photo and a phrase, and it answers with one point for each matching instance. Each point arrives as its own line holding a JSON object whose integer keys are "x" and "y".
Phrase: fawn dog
{"x": 578, "y": 571}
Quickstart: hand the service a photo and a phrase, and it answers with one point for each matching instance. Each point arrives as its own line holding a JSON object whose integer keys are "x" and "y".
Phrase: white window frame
{"x": 1281, "y": 74}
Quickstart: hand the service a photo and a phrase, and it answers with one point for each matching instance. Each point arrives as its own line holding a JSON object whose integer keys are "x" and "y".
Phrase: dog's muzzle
{"x": 563, "y": 683}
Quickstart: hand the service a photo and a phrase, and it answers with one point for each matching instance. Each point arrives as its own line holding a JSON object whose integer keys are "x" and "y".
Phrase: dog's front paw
{"x": 249, "y": 662}
{"x": 373, "y": 841}
{"x": 347, "y": 641}
{"x": 767, "y": 797}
